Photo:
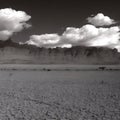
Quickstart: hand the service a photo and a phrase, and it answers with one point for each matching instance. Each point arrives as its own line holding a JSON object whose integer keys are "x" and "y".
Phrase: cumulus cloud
{"x": 45, "y": 40}
{"x": 5, "y": 34}
{"x": 100, "y": 20}
{"x": 12, "y": 21}
{"x": 87, "y": 35}
{"x": 79, "y": 35}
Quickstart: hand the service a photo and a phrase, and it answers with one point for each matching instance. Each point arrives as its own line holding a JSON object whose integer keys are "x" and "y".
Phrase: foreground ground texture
{"x": 59, "y": 95}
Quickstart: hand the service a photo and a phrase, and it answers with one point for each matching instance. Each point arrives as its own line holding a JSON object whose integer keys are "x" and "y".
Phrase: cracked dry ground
{"x": 59, "y": 96}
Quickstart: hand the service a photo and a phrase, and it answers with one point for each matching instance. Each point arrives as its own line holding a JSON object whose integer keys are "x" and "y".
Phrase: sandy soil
{"x": 59, "y": 95}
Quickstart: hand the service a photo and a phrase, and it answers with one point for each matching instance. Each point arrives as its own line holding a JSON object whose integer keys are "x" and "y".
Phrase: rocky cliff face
{"x": 11, "y": 52}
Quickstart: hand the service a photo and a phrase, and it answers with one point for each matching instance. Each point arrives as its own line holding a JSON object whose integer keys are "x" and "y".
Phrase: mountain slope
{"x": 11, "y": 52}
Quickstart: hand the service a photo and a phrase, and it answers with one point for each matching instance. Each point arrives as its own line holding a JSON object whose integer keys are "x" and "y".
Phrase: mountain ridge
{"x": 12, "y": 52}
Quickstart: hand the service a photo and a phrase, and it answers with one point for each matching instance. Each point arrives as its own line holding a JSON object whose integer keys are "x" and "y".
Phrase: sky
{"x": 55, "y": 18}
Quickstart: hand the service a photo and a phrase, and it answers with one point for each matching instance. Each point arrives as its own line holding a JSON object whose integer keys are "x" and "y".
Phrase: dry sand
{"x": 26, "y": 94}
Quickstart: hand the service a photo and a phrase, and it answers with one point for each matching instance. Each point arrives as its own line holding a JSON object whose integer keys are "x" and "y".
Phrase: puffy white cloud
{"x": 100, "y": 20}
{"x": 64, "y": 45}
{"x": 87, "y": 35}
{"x": 45, "y": 40}
{"x": 108, "y": 37}
{"x": 5, "y": 34}
{"x": 12, "y": 21}
{"x": 75, "y": 35}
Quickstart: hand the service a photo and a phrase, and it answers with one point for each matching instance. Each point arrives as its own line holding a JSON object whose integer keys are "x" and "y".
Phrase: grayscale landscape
{"x": 59, "y": 92}
{"x": 59, "y": 60}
